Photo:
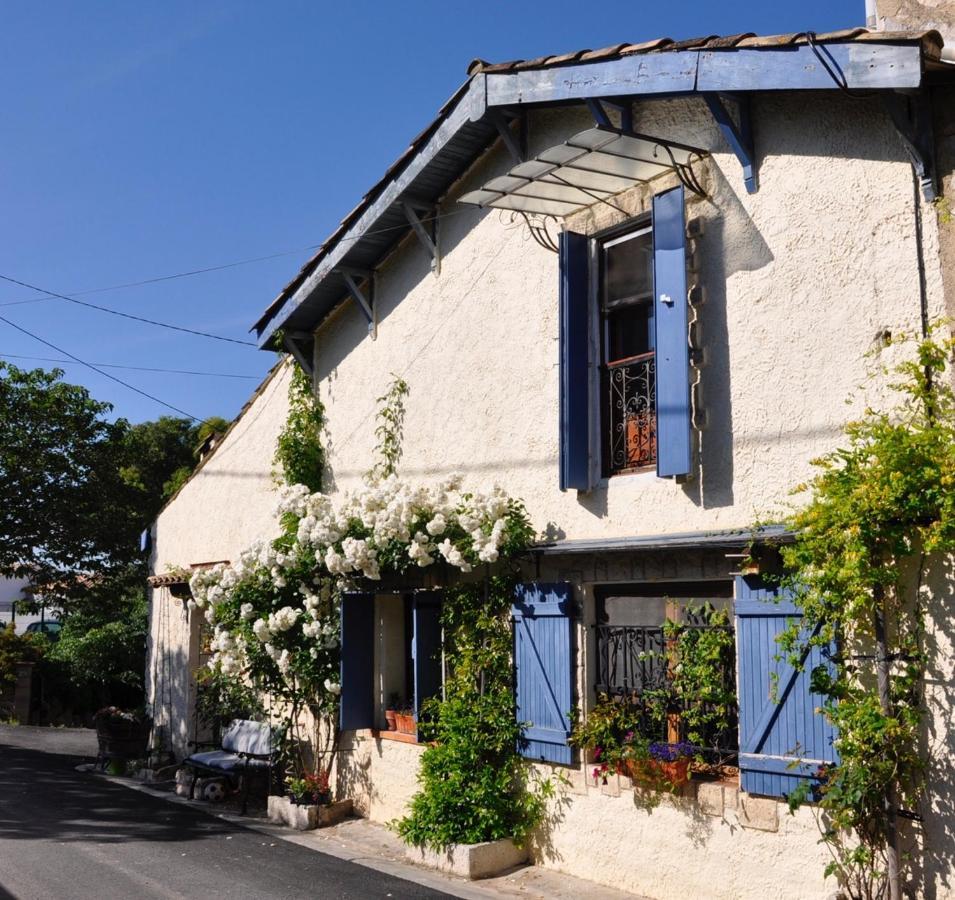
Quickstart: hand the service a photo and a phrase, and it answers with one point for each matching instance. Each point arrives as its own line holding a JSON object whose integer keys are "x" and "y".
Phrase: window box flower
{"x": 664, "y": 766}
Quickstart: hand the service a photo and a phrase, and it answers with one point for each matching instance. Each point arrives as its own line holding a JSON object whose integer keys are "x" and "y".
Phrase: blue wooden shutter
{"x": 781, "y": 743}
{"x": 357, "y": 708}
{"x": 575, "y": 465}
{"x": 672, "y": 341}
{"x": 544, "y": 668}
{"x": 426, "y": 647}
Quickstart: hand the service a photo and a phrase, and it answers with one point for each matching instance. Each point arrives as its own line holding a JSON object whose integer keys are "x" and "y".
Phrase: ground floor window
{"x": 667, "y": 650}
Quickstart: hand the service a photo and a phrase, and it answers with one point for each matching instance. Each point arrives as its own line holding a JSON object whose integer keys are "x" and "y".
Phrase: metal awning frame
{"x": 579, "y": 164}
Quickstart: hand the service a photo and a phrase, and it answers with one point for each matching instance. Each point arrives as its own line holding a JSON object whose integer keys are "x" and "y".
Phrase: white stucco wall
{"x": 227, "y": 505}
{"x": 800, "y": 277}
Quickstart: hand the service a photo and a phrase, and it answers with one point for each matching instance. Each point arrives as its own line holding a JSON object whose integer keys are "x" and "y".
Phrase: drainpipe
{"x": 871, "y": 15}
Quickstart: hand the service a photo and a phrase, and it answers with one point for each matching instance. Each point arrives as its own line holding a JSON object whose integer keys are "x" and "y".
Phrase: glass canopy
{"x": 588, "y": 168}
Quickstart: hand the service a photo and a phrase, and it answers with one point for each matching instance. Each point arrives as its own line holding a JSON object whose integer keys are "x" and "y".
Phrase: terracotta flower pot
{"x": 405, "y": 723}
{"x": 390, "y": 719}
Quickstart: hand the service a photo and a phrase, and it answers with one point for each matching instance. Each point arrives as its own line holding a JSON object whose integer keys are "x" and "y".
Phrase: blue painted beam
{"x": 739, "y": 137}
{"x": 366, "y": 305}
{"x": 864, "y": 65}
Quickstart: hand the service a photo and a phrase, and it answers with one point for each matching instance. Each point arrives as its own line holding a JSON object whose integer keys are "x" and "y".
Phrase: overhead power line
{"x": 116, "y": 312}
{"x": 131, "y": 368}
{"x": 82, "y": 362}
{"x": 160, "y": 278}
{"x": 425, "y": 220}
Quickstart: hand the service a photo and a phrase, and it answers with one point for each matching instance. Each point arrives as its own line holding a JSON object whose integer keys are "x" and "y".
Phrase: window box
{"x": 307, "y": 816}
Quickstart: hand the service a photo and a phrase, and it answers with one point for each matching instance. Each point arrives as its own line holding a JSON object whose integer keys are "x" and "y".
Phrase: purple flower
{"x": 597, "y": 753}
{"x": 671, "y": 752}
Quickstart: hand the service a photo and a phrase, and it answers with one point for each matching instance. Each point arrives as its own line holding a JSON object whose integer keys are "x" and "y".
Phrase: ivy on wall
{"x": 299, "y": 452}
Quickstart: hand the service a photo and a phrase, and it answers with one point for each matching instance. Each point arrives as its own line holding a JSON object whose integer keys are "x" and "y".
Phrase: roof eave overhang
{"x": 896, "y": 65}
{"x": 730, "y": 539}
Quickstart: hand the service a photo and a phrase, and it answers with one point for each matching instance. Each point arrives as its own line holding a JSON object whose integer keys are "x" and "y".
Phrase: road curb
{"x": 406, "y": 871}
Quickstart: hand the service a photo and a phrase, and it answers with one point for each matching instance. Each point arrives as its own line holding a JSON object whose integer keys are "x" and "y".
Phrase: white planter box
{"x": 304, "y": 818}
{"x": 471, "y": 860}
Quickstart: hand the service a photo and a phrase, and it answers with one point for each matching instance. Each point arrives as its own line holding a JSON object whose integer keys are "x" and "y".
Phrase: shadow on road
{"x": 42, "y": 797}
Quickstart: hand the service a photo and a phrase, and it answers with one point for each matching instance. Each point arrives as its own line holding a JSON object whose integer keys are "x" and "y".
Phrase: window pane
{"x": 629, "y": 331}
{"x": 627, "y": 270}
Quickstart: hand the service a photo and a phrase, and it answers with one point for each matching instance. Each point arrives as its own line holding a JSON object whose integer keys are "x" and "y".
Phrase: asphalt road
{"x": 71, "y": 836}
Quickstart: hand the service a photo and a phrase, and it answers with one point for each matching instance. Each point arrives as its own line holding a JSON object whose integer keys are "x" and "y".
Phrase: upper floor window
{"x": 624, "y": 350}
{"x": 627, "y": 370}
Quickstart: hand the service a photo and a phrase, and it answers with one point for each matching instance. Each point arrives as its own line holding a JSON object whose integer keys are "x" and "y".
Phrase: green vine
{"x": 389, "y": 430}
{"x": 299, "y": 451}
{"x": 474, "y": 785}
{"x": 878, "y": 508}
{"x": 703, "y": 685}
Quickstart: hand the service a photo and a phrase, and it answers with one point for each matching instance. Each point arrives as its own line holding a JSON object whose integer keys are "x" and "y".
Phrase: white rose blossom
{"x": 346, "y": 540}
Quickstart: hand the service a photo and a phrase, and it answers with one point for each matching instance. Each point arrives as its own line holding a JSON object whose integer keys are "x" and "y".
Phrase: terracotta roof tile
{"x": 731, "y": 40}
{"x": 646, "y": 46}
{"x": 603, "y": 53}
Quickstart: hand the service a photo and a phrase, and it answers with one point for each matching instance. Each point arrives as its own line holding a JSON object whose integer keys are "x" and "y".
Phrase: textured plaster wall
{"x": 228, "y": 504}
{"x": 381, "y": 775}
{"x": 799, "y": 277}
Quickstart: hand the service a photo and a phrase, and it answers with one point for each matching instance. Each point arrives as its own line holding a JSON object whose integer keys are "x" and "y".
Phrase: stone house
{"x": 635, "y": 287}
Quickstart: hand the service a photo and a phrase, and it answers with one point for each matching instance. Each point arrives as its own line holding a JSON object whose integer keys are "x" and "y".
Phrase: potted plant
{"x": 394, "y": 703}
{"x": 405, "y": 721}
{"x": 310, "y": 789}
{"x": 661, "y": 764}
{"x": 308, "y": 803}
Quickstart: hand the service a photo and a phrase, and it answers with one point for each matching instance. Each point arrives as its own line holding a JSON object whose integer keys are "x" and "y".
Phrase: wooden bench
{"x": 246, "y": 748}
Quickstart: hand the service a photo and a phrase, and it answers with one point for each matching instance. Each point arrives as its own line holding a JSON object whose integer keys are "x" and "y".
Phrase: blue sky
{"x": 143, "y": 140}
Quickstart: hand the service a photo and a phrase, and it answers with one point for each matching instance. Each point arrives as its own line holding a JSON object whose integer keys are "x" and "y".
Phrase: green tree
{"x": 160, "y": 455}
{"x": 68, "y": 513}
{"x": 84, "y": 489}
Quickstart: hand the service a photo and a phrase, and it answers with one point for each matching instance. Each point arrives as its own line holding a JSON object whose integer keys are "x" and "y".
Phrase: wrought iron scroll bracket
{"x": 366, "y": 303}
{"x": 738, "y": 136}
{"x": 301, "y": 345}
{"x": 911, "y": 115}
{"x": 684, "y": 171}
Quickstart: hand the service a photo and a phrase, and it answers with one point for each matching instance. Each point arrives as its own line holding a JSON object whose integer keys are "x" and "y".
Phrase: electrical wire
{"x": 230, "y": 265}
{"x": 116, "y": 312}
{"x": 175, "y": 275}
{"x": 125, "y": 384}
{"x": 131, "y": 368}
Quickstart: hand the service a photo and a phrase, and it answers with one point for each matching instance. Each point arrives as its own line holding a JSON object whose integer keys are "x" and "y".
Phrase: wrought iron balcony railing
{"x": 634, "y": 665}
{"x": 630, "y": 417}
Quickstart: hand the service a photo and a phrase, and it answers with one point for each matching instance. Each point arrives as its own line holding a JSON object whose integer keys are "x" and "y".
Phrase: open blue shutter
{"x": 672, "y": 341}
{"x": 575, "y": 465}
{"x": 357, "y": 708}
{"x": 426, "y": 647}
{"x": 781, "y": 743}
{"x": 544, "y": 668}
